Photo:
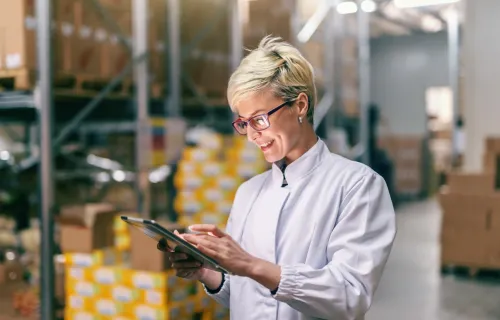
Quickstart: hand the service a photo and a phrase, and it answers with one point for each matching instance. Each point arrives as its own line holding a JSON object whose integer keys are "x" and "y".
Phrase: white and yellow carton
{"x": 143, "y": 280}
{"x": 120, "y": 293}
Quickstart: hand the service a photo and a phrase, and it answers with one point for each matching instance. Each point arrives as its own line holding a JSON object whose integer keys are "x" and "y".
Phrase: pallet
{"x": 26, "y": 79}
{"x": 65, "y": 84}
{"x": 472, "y": 272}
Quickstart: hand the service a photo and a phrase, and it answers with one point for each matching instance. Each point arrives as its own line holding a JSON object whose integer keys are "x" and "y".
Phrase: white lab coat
{"x": 332, "y": 246}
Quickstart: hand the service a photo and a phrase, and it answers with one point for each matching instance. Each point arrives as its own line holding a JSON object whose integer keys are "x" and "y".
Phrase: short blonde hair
{"x": 277, "y": 65}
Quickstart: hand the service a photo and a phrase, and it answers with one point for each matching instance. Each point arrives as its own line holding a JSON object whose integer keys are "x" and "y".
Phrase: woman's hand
{"x": 184, "y": 265}
{"x": 188, "y": 268}
{"x": 222, "y": 248}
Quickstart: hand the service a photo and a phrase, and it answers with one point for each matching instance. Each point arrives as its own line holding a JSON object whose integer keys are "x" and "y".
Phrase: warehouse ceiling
{"x": 389, "y": 19}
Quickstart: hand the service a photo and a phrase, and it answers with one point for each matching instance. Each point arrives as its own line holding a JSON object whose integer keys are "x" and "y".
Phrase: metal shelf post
{"x": 46, "y": 187}
{"x": 141, "y": 79}
{"x": 174, "y": 65}
{"x": 364, "y": 79}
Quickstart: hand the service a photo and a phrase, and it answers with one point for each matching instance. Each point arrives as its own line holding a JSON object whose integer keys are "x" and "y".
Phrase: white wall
{"x": 481, "y": 77}
{"x": 401, "y": 70}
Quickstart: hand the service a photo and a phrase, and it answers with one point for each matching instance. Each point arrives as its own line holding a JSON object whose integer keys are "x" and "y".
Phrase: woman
{"x": 309, "y": 238}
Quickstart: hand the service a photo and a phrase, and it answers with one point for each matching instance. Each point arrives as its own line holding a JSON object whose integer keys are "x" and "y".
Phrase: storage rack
{"x": 44, "y": 104}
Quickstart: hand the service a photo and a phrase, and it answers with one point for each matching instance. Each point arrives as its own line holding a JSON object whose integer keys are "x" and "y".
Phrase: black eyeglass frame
{"x": 265, "y": 115}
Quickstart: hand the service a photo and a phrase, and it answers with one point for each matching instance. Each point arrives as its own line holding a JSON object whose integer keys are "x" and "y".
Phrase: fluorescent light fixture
{"x": 421, "y": 3}
{"x": 368, "y": 6}
{"x": 119, "y": 176}
{"x": 314, "y": 22}
{"x": 4, "y": 155}
{"x": 347, "y": 7}
{"x": 431, "y": 24}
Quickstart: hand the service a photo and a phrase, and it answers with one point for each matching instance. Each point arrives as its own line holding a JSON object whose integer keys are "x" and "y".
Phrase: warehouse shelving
{"x": 79, "y": 112}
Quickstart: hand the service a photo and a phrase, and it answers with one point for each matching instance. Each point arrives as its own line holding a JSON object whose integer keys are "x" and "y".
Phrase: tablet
{"x": 155, "y": 231}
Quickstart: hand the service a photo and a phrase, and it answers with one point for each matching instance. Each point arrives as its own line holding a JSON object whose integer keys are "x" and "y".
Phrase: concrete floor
{"x": 413, "y": 288}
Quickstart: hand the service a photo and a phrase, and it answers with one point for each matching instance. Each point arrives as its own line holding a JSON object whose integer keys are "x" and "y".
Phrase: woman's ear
{"x": 302, "y": 103}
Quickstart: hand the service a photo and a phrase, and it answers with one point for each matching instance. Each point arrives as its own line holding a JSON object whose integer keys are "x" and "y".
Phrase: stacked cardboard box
{"x": 130, "y": 280}
{"x": 209, "y": 175}
{"x": 88, "y": 51}
{"x": 470, "y": 232}
{"x": 407, "y": 156}
{"x": 98, "y": 288}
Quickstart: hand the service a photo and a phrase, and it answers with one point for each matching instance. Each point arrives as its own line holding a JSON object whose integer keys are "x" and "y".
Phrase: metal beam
{"x": 46, "y": 187}
{"x": 73, "y": 124}
{"x": 141, "y": 75}
{"x": 236, "y": 29}
{"x": 454, "y": 74}
{"x": 106, "y": 18}
{"x": 364, "y": 79}
{"x": 174, "y": 59}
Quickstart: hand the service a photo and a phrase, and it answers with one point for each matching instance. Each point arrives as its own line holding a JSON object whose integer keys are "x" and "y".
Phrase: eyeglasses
{"x": 258, "y": 122}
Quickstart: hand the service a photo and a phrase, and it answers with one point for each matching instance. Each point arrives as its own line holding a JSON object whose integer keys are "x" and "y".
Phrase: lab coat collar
{"x": 300, "y": 167}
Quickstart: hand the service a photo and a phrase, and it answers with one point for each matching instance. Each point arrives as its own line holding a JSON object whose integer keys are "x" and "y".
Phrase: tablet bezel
{"x": 160, "y": 232}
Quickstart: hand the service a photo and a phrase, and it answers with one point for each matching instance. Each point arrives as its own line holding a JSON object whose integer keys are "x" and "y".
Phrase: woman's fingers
{"x": 178, "y": 257}
{"x": 208, "y": 228}
{"x": 186, "y": 265}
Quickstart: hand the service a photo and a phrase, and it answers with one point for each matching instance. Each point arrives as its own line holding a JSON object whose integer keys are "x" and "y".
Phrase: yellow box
{"x": 151, "y": 280}
{"x": 70, "y": 314}
{"x": 78, "y": 274}
{"x": 83, "y": 259}
{"x": 189, "y": 181}
{"x": 83, "y": 315}
{"x": 210, "y": 218}
{"x": 86, "y": 289}
{"x": 141, "y": 311}
{"x": 108, "y": 275}
{"x": 214, "y": 194}
{"x": 199, "y": 154}
{"x": 122, "y": 242}
{"x": 108, "y": 256}
{"x": 77, "y": 303}
{"x": 186, "y": 220}
{"x": 108, "y": 308}
{"x": 225, "y": 182}
{"x": 186, "y": 203}
{"x": 121, "y": 226}
{"x": 203, "y": 302}
{"x": 120, "y": 293}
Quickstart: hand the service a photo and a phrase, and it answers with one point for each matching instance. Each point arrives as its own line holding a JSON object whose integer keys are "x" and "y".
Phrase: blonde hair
{"x": 277, "y": 65}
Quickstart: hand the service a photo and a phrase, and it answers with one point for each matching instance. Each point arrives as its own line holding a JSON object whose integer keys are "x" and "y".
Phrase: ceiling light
{"x": 421, "y": 3}
{"x": 119, "y": 176}
{"x": 368, "y": 6}
{"x": 4, "y": 155}
{"x": 347, "y": 7}
{"x": 431, "y": 24}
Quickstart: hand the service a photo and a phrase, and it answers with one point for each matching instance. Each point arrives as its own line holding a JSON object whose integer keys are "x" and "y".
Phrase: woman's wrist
{"x": 266, "y": 273}
{"x": 211, "y": 279}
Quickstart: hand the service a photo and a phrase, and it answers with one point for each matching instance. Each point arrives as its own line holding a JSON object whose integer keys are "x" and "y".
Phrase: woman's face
{"x": 283, "y": 135}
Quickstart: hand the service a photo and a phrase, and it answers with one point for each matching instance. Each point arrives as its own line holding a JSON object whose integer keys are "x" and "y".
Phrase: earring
{"x": 300, "y": 119}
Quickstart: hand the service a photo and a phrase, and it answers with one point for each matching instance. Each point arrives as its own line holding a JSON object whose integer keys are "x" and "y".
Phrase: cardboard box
{"x": 11, "y": 272}
{"x": 471, "y": 183}
{"x": 145, "y": 280}
{"x": 85, "y": 228}
{"x": 144, "y": 254}
{"x": 18, "y": 25}
{"x": 492, "y": 144}
{"x": 470, "y": 232}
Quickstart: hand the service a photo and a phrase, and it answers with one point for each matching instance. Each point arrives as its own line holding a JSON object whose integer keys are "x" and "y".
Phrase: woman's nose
{"x": 252, "y": 134}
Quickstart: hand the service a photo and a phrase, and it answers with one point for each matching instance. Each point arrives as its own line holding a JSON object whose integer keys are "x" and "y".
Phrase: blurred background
{"x": 118, "y": 107}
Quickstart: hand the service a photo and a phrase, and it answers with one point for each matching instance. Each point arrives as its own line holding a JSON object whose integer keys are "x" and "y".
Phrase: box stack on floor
{"x": 113, "y": 272}
{"x": 209, "y": 175}
{"x": 470, "y": 232}
{"x": 407, "y": 156}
